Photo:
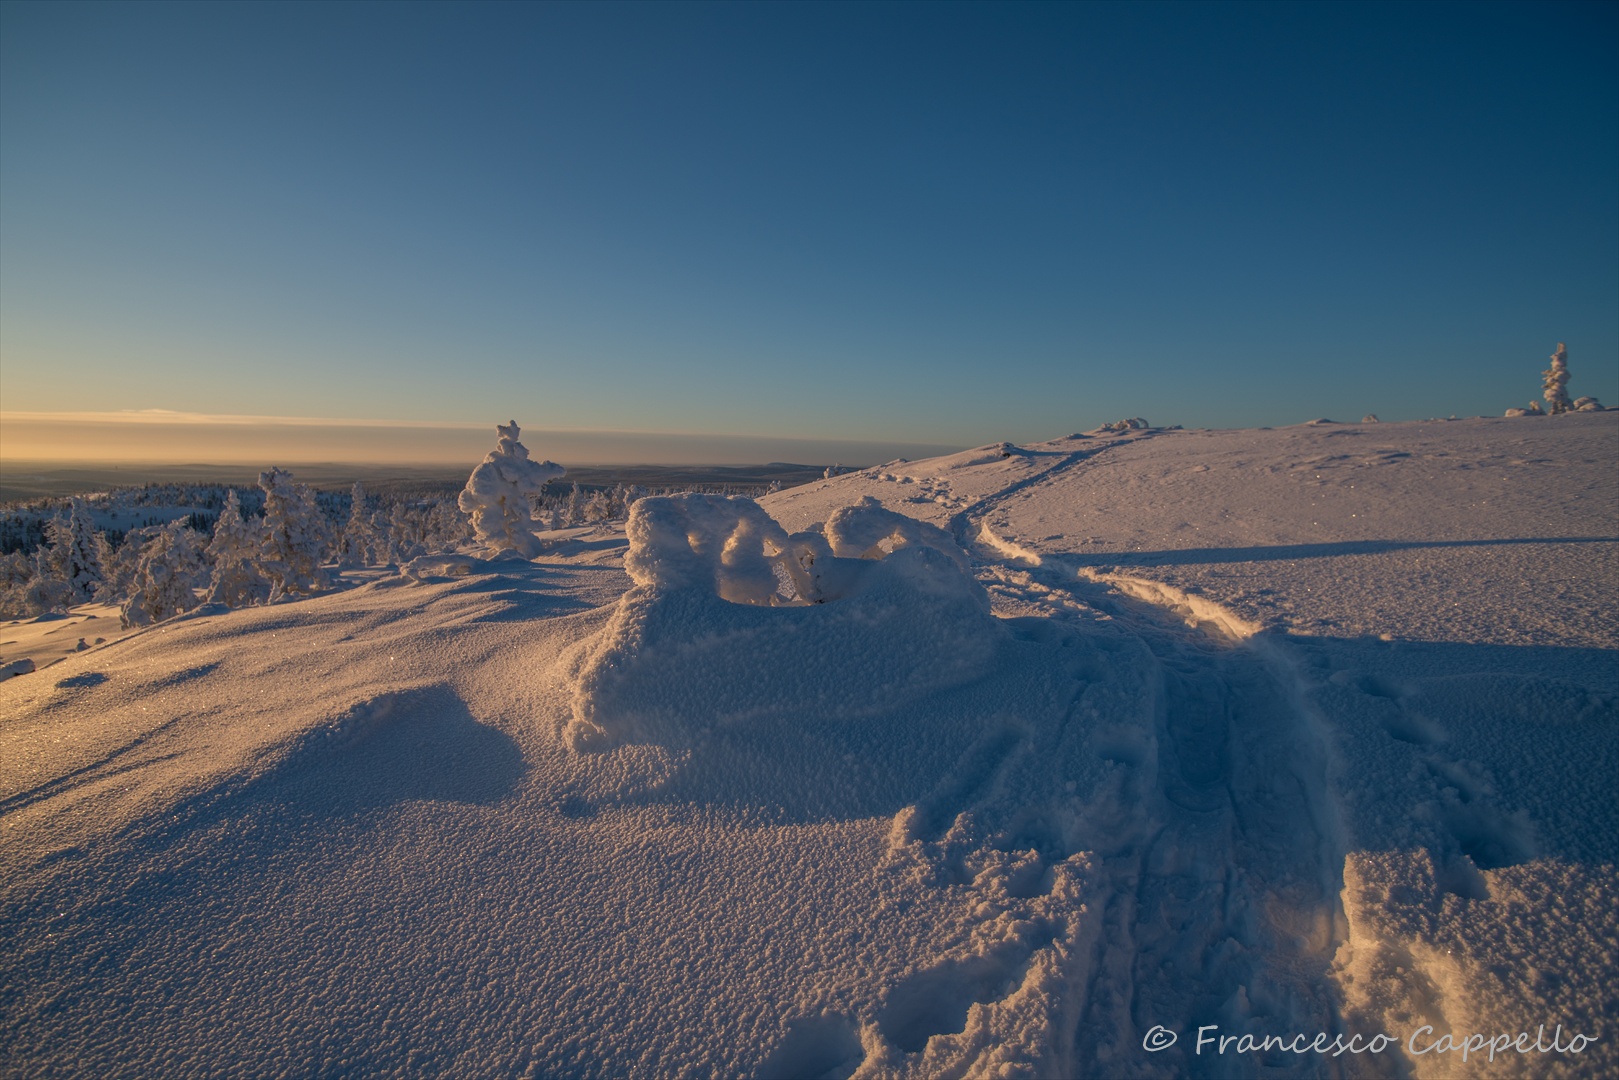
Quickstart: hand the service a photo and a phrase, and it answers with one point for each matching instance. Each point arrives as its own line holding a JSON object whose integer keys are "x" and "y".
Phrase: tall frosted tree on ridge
{"x": 1556, "y": 384}
{"x": 294, "y": 539}
{"x": 497, "y": 494}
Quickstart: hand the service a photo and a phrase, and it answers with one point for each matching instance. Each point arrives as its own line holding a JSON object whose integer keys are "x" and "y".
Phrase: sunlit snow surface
{"x": 1284, "y": 732}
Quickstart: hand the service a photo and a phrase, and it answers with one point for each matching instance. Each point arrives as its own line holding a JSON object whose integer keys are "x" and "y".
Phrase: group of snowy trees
{"x": 284, "y": 540}
{"x": 159, "y": 571}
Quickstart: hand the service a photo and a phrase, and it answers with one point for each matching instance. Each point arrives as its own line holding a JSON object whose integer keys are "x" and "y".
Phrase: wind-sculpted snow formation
{"x": 497, "y": 494}
{"x": 1135, "y": 753}
{"x": 731, "y": 619}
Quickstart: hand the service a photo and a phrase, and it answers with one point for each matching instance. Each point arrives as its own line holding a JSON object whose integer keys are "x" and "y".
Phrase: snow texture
{"x": 497, "y": 494}
{"x": 994, "y": 764}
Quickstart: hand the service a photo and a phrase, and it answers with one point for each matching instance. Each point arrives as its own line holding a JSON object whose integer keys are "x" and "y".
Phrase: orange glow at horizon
{"x": 157, "y": 437}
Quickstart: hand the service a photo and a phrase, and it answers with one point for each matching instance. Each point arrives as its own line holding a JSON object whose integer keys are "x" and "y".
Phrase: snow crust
{"x": 987, "y": 765}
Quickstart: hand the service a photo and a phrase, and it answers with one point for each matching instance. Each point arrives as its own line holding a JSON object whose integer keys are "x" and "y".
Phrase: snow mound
{"x": 732, "y": 620}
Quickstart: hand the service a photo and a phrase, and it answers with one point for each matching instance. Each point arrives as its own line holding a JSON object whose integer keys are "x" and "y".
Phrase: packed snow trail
{"x": 1223, "y": 850}
{"x": 1223, "y": 900}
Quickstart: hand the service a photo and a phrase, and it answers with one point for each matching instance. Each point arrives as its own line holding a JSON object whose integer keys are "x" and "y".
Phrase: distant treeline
{"x": 121, "y": 510}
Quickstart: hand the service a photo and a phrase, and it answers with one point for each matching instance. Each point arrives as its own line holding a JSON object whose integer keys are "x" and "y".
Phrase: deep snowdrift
{"x": 1266, "y": 733}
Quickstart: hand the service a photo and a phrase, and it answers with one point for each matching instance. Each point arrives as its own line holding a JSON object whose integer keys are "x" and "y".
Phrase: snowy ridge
{"x": 1064, "y": 756}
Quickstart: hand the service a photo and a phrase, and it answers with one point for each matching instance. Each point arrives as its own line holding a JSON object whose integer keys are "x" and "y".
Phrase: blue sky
{"x": 938, "y": 225}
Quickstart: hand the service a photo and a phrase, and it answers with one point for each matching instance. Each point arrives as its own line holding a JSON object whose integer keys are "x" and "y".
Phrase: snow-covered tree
{"x": 1556, "y": 385}
{"x": 294, "y": 538}
{"x": 124, "y": 564}
{"x": 107, "y": 556}
{"x": 446, "y": 526}
{"x": 361, "y": 543}
{"x": 165, "y": 582}
{"x": 236, "y": 580}
{"x": 404, "y": 535}
{"x": 16, "y": 569}
{"x": 74, "y": 554}
{"x": 574, "y": 512}
{"x": 496, "y": 496}
{"x": 599, "y": 507}
{"x": 47, "y": 589}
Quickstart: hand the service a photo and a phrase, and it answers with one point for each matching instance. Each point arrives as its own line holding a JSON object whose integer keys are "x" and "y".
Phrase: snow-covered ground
{"x": 1268, "y": 733}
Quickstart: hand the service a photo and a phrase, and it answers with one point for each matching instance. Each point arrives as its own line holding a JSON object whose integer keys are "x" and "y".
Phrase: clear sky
{"x": 769, "y": 223}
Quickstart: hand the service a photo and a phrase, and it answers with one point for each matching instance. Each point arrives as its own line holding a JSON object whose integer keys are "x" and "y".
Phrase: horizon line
{"x": 176, "y": 417}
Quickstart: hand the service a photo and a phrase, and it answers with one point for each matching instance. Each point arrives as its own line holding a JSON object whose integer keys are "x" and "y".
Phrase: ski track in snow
{"x": 1225, "y": 876}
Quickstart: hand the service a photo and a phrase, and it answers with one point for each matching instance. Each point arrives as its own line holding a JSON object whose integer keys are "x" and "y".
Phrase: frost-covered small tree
{"x": 404, "y": 535}
{"x": 294, "y": 538}
{"x": 16, "y": 570}
{"x": 446, "y": 525}
{"x": 361, "y": 544}
{"x": 236, "y": 580}
{"x": 574, "y": 512}
{"x": 107, "y": 556}
{"x": 165, "y": 582}
{"x": 1556, "y": 385}
{"x": 47, "y": 590}
{"x": 125, "y": 562}
{"x": 75, "y": 554}
{"x": 598, "y": 508}
{"x": 497, "y": 493}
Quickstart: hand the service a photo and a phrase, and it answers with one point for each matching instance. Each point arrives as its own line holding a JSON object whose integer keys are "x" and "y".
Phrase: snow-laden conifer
{"x": 496, "y": 496}
{"x": 171, "y": 564}
{"x": 294, "y": 538}
{"x": 74, "y": 552}
{"x": 404, "y": 535}
{"x": 16, "y": 570}
{"x": 1556, "y": 385}
{"x": 124, "y": 564}
{"x": 361, "y": 543}
{"x": 446, "y": 526}
{"x": 236, "y": 580}
{"x": 574, "y": 511}
{"x": 47, "y": 590}
{"x": 598, "y": 508}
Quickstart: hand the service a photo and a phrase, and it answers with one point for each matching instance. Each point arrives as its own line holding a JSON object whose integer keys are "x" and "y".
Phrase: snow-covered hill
{"x": 1208, "y": 734}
